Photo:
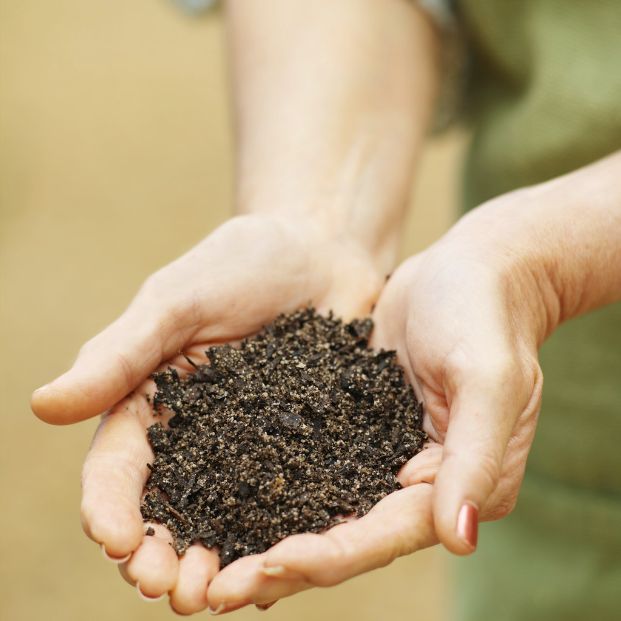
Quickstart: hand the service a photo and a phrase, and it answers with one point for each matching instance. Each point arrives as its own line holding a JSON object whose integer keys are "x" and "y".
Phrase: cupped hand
{"x": 466, "y": 317}
{"x": 239, "y": 278}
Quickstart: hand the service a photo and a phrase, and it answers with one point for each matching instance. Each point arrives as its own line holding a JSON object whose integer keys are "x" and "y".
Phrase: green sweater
{"x": 545, "y": 99}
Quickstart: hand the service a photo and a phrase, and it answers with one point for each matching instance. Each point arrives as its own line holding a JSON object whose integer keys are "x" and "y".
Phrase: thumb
{"x": 485, "y": 407}
{"x": 115, "y": 362}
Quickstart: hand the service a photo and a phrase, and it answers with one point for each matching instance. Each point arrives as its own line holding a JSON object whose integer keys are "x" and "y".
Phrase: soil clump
{"x": 295, "y": 428}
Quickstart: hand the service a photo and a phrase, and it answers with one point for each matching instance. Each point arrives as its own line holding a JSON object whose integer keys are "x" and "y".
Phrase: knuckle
{"x": 536, "y": 379}
{"x": 530, "y": 389}
{"x": 330, "y": 573}
{"x": 489, "y": 471}
{"x": 503, "y": 507}
{"x": 501, "y": 373}
{"x": 152, "y": 286}
{"x": 502, "y": 369}
{"x": 87, "y": 347}
{"x": 157, "y": 291}
{"x": 480, "y": 468}
{"x": 482, "y": 474}
{"x": 127, "y": 370}
{"x": 169, "y": 300}
{"x": 86, "y": 520}
{"x": 462, "y": 366}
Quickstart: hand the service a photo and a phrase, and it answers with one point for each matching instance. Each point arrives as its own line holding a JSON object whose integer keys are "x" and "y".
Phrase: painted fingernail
{"x": 264, "y": 607}
{"x": 468, "y": 524}
{"x": 148, "y": 598}
{"x": 218, "y": 610}
{"x": 274, "y": 571}
{"x": 114, "y": 559}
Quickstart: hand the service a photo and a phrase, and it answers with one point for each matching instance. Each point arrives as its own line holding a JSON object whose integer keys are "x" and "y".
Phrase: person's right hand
{"x": 231, "y": 284}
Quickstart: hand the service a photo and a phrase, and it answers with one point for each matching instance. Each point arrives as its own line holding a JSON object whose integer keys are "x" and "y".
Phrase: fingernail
{"x": 468, "y": 524}
{"x": 40, "y": 389}
{"x": 217, "y": 610}
{"x": 274, "y": 571}
{"x": 114, "y": 559}
{"x": 264, "y": 607}
{"x": 148, "y": 598}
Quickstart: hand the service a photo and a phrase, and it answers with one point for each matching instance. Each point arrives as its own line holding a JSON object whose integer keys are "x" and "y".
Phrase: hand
{"x": 238, "y": 279}
{"x": 468, "y": 315}
{"x": 466, "y": 318}
{"x": 461, "y": 319}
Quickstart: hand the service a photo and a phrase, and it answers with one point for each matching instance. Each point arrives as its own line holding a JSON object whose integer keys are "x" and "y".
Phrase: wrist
{"x": 564, "y": 233}
{"x": 325, "y": 250}
{"x": 509, "y": 235}
{"x": 372, "y": 229}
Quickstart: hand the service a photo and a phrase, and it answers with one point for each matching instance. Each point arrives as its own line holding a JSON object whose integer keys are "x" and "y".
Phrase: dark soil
{"x": 300, "y": 425}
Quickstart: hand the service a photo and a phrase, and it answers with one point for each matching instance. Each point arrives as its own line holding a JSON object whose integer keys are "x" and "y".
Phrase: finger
{"x": 354, "y": 291}
{"x": 113, "y": 477}
{"x": 397, "y": 525}
{"x": 122, "y": 565}
{"x": 483, "y": 414}
{"x": 197, "y": 568}
{"x": 243, "y": 582}
{"x": 154, "y": 566}
{"x": 124, "y": 574}
{"x": 115, "y": 361}
{"x": 504, "y": 497}
{"x": 422, "y": 468}
{"x": 390, "y": 325}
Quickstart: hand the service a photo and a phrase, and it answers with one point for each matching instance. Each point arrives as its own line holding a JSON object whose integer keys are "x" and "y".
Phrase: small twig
{"x": 190, "y": 361}
{"x": 174, "y": 511}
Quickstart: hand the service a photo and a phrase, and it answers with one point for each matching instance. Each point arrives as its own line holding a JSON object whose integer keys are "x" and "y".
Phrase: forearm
{"x": 332, "y": 102}
{"x": 566, "y": 234}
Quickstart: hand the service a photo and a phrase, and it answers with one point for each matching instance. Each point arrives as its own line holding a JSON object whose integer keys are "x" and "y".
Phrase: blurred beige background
{"x": 115, "y": 157}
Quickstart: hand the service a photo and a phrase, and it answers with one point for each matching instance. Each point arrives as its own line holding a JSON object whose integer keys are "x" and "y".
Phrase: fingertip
{"x": 44, "y": 403}
{"x": 423, "y": 467}
{"x": 117, "y": 560}
{"x": 455, "y": 544}
{"x": 65, "y": 401}
{"x": 119, "y": 534}
{"x": 155, "y": 566}
{"x": 456, "y": 523}
{"x": 197, "y": 568}
{"x": 148, "y": 598}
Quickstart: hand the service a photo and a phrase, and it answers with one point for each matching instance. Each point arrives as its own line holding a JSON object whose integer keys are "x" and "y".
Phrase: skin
{"x": 332, "y": 103}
